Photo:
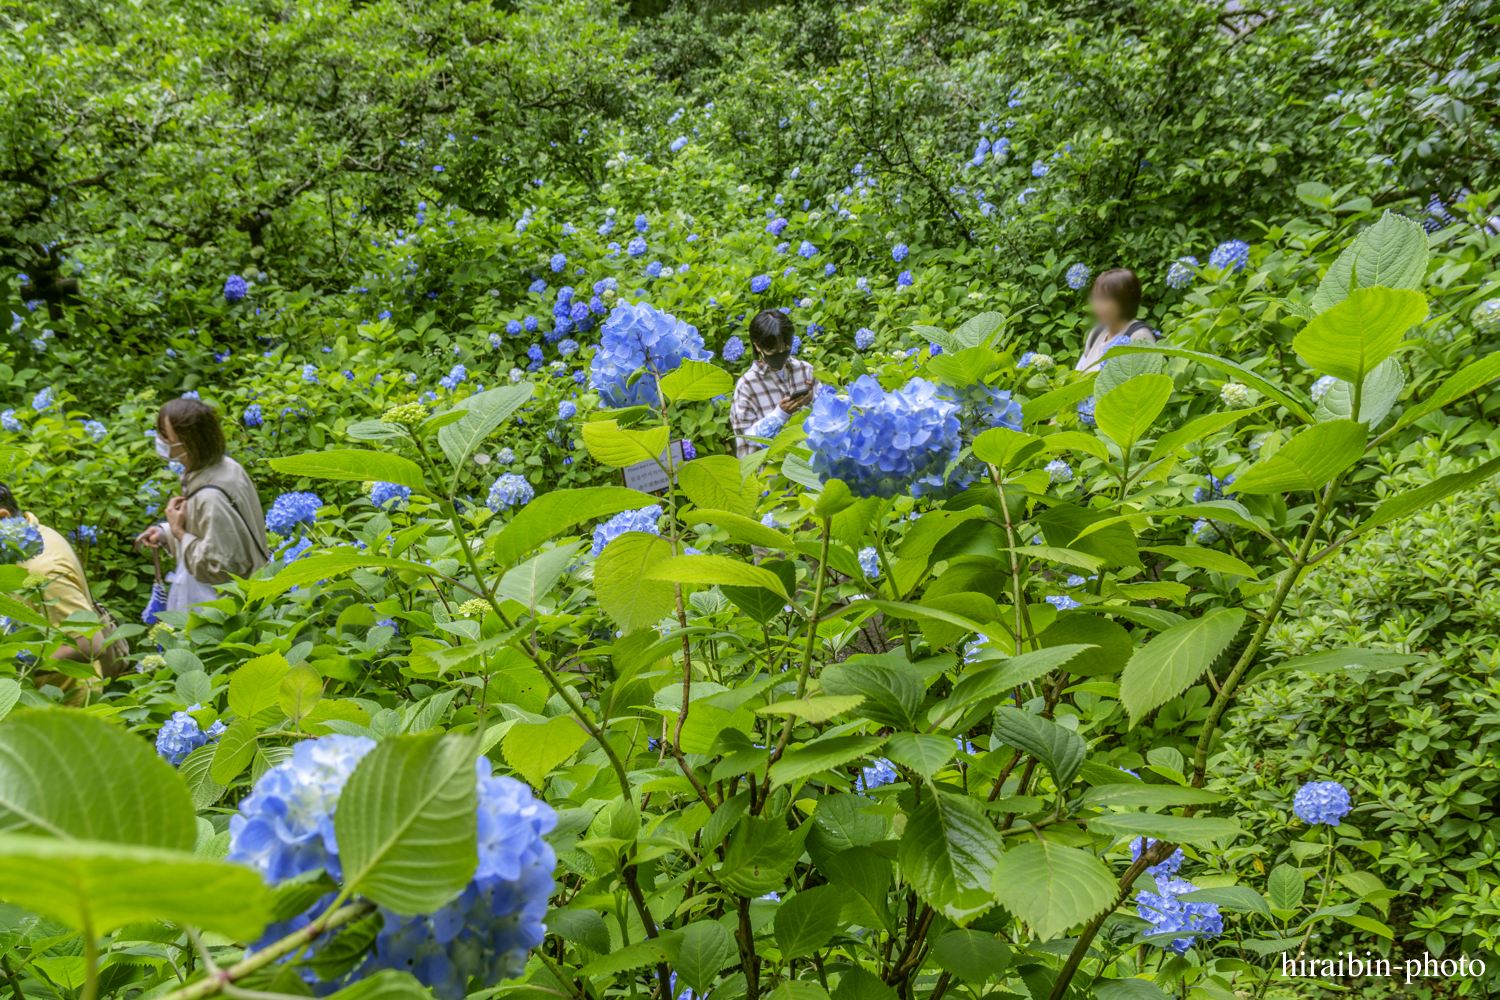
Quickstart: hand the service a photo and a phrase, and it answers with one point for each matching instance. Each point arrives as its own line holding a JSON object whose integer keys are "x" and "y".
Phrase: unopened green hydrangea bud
{"x": 474, "y": 608}
{"x": 406, "y": 413}
{"x": 1235, "y": 396}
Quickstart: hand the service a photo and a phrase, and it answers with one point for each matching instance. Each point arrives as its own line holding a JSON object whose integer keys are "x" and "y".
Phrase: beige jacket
{"x": 1098, "y": 340}
{"x": 224, "y": 532}
{"x": 67, "y": 587}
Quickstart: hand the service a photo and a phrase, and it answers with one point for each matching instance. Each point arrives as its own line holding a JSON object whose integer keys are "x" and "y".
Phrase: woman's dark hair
{"x": 197, "y": 427}
{"x": 771, "y": 330}
{"x": 1121, "y": 284}
{"x": 8, "y": 501}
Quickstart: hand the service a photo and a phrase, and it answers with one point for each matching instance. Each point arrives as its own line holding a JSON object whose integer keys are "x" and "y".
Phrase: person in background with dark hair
{"x": 67, "y": 593}
{"x": 1115, "y": 299}
{"x": 216, "y": 529}
{"x": 776, "y": 386}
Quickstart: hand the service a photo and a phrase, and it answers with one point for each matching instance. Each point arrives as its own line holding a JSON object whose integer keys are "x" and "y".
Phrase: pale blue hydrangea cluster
{"x": 869, "y": 562}
{"x": 1321, "y": 802}
{"x": 510, "y": 490}
{"x": 389, "y": 495}
{"x": 310, "y": 374}
{"x": 253, "y": 416}
{"x": 1167, "y": 913}
{"x": 1062, "y": 602}
{"x": 235, "y": 288}
{"x": 1060, "y": 471}
{"x": 884, "y": 443}
{"x": 1231, "y": 254}
{"x": 904, "y": 279}
{"x": 43, "y": 400}
{"x": 637, "y": 336}
{"x": 285, "y": 828}
{"x": 1180, "y": 274}
{"x": 1321, "y": 386}
{"x": 1217, "y": 489}
{"x": 643, "y": 519}
{"x": 983, "y": 406}
{"x": 95, "y": 430}
{"x": 899, "y": 252}
{"x": 291, "y": 509}
{"x": 760, "y": 283}
{"x": 19, "y": 540}
{"x": 456, "y": 375}
{"x": 734, "y": 349}
{"x": 180, "y": 736}
{"x": 1166, "y": 867}
{"x": 9, "y": 421}
{"x": 85, "y": 534}
{"x": 1486, "y": 316}
{"x": 879, "y": 772}
{"x": 1031, "y": 359}
{"x": 1086, "y": 411}
{"x": 864, "y": 338}
{"x": 1078, "y": 276}
{"x": 567, "y": 409}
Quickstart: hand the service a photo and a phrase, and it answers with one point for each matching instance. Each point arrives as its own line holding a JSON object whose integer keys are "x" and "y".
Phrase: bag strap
{"x": 236, "y": 508}
{"x": 156, "y": 565}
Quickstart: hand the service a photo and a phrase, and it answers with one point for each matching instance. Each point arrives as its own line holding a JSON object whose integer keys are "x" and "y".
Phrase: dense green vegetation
{"x": 812, "y": 726}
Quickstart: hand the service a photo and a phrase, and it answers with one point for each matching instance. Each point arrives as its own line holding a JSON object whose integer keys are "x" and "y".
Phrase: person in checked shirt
{"x": 776, "y": 386}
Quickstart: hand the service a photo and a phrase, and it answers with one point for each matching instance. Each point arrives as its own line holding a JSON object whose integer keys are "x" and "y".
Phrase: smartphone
{"x": 805, "y": 396}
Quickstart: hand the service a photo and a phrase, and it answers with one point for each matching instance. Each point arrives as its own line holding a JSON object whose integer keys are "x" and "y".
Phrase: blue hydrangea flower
{"x": 1217, "y": 489}
{"x": 235, "y": 288}
{"x": 310, "y": 374}
{"x": 760, "y": 283}
{"x": 180, "y": 736}
{"x": 1159, "y": 871}
{"x": 1321, "y": 386}
{"x": 567, "y": 348}
{"x": 1167, "y": 913}
{"x": 899, "y": 252}
{"x": 389, "y": 495}
{"x": 879, "y": 772}
{"x": 43, "y": 401}
{"x": 864, "y": 338}
{"x": 640, "y": 336}
{"x": 538, "y": 286}
{"x": 457, "y": 374}
{"x": 1486, "y": 316}
{"x": 883, "y": 443}
{"x": 95, "y": 430}
{"x": 1078, "y": 276}
{"x": 653, "y": 269}
{"x": 510, "y": 490}
{"x": 558, "y": 262}
{"x": 19, "y": 540}
{"x": 1232, "y": 254}
{"x": 253, "y": 415}
{"x": 1038, "y": 168}
{"x": 534, "y": 352}
{"x": 1062, "y": 602}
{"x": 291, "y": 509}
{"x": 734, "y": 349}
{"x": 903, "y": 279}
{"x": 567, "y": 409}
{"x": 678, "y": 143}
{"x": 829, "y": 270}
{"x": 636, "y": 247}
{"x": 85, "y": 534}
{"x": 9, "y": 422}
{"x": 505, "y": 456}
{"x": 776, "y": 226}
{"x": 291, "y": 551}
{"x": 1321, "y": 802}
{"x": 807, "y": 250}
{"x": 643, "y": 519}
{"x": 1060, "y": 471}
{"x": 513, "y": 328}
{"x": 1086, "y": 411}
{"x": 642, "y": 224}
{"x": 869, "y": 562}
{"x": 1180, "y": 274}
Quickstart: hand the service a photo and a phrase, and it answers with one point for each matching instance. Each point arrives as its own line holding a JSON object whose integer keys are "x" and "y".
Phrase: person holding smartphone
{"x": 776, "y": 386}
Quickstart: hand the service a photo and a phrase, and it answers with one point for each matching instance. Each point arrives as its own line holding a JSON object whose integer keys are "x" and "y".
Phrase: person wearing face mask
{"x": 216, "y": 529}
{"x": 776, "y": 386}
{"x": 1115, "y": 299}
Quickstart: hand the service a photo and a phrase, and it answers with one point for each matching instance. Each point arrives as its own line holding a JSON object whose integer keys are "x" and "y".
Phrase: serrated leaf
{"x": 696, "y": 380}
{"x": 550, "y": 514}
{"x": 234, "y": 751}
{"x": 1309, "y": 460}
{"x": 948, "y": 854}
{"x": 1049, "y": 403}
{"x": 972, "y": 956}
{"x": 533, "y": 750}
{"x": 822, "y": 755}
{"x": 1162, "y": 826}
{"x": 67, "y": 774}
{"x": 483, "y": 412}
{"x": 1053, "y": 888}
{"x": 813, "y": 710}
{"x": 1350, "y": 338}
{"x": 1239, "y": 898}
{"x": 256, "y": 685}
{"x": 1205, "y": 558}
{"x": 356, "y": 466}
{"x": 718, "y": 483}
{"x": 1468, "y": 378}
{"x": 387, "y": 984}
{"x": 1410, "y": 501}
{"x": 626, "y": 592}
{"x": 1059, "y": 749}
{"x": 1197, "y": 429}
{"x": 807, "y": 920}
{"x": 1164, "y": 667}
{"x": 1239, "y": 371}
{"x": 1130, "y": 410}
{"x": 1381, "y": 390}
{"x": 1392, "y": 252}
{"x": 924, "y": 753}
{"x": 651, "y": 951}
{"x": 616, "y": 446}
{"x": 405, "y": 822}
{"x": 529, "y": 582}
{"x": 301, "y": 690}
{"x": 705, "y": 949}
{"x": 1284, "y": 887}
{"x": 708, "y": 570}
{"x": 205, "y": 791}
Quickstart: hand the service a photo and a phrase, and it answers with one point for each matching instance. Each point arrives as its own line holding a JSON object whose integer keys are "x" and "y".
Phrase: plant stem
{"x": 807, "y": 655}
{"x": 1322, "y": 896}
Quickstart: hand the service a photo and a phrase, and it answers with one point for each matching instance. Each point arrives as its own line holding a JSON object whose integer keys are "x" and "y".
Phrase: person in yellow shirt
{"x": 67, "y": 592}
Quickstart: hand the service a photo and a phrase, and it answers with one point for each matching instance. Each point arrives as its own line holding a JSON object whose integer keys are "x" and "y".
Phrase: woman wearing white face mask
{"x": 216, "y": 529}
